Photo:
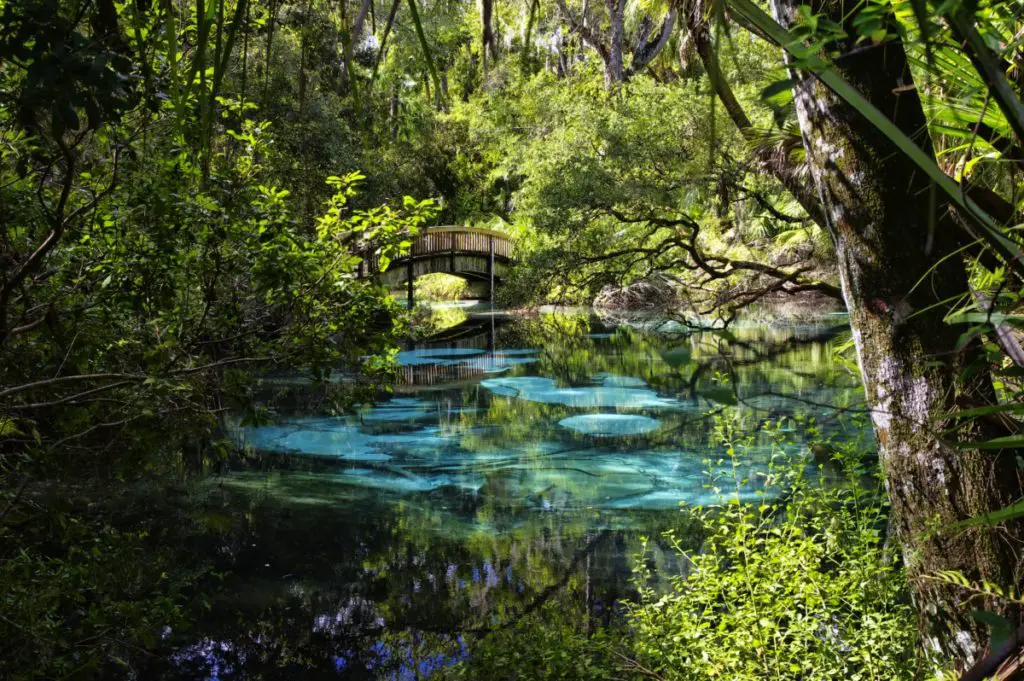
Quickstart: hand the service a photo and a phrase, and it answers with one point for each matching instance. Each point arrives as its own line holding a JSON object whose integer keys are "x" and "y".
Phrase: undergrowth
{"x": 799, "y": 584}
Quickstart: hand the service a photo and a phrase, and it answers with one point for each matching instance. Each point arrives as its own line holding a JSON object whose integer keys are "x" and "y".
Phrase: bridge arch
{"x": 471, "y": 252}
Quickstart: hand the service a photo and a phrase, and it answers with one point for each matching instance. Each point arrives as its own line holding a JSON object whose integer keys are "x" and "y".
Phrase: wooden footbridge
{"x": 470, "y": 252}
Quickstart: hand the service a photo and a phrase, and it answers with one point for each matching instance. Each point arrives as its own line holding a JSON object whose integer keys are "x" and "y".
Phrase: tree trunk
{"x": 487, "y": 34}
{"x": 384, "y": 39}
{"x": 610, "y": 43}
{"x": 528, "y": 49}
{"x": 393, "y": 112}
{"x": 561, "y": 67}
{"x": 646, "y": 50}
{"x": 614, "y": 69}
{"x": 357, "y": 28}
{"x": 302, "y": 77}
{"x": 888, "y": 251}
{"x": 271, "y": 20}
{"x": 350, "y": 38}
{"x": 303, "y": 58}
{"x": 246, "y": 27}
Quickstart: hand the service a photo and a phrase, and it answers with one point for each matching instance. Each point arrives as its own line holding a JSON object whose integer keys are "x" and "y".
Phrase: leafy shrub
{"x": 89, "y": 603}
{"x": 807, "y": 589}
{"x": 441, "y": 286}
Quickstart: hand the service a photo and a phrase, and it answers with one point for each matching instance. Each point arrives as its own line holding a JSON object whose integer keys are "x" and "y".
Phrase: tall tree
{"x": 610, "y": 44}
{"x": 351, "y": 39}
{"x": 893, "y": 248}
{"x": 488, "y": 43}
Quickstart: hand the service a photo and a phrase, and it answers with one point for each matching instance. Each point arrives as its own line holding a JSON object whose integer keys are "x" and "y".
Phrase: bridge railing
{"x": 435, "y": 241}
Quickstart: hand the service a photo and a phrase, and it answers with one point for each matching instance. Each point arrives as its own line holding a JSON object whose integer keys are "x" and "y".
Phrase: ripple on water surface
{"x": 512, "y": 460}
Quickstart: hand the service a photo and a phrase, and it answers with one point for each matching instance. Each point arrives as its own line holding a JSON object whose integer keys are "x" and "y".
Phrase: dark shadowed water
{"x": 516, "y": 464}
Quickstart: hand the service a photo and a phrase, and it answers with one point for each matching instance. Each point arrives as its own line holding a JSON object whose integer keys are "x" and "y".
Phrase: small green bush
{"x": 803, "y": 590}
{"x": 441, "y": 286}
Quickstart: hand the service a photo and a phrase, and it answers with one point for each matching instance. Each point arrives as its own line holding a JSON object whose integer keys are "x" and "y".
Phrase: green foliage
{"x": 991, "y": 231}
{"x": 160, "y": 250}
{"x": 551, "y": 645}
{"x": 83, "y": 603}
{"x": 803, "y": 588}
{"x": 188, "y": 189}
{"x": 605, "y": 188}
{"x": 797, "y": 586}
{"x": 166, "y": 275}
{"x": 441, "y": 287}
{"x": 65, "y": 68}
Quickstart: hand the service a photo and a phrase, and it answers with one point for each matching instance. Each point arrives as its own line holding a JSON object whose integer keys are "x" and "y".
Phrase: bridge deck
{"x": 456, "y": 250}
{"x": 452, "y": 241}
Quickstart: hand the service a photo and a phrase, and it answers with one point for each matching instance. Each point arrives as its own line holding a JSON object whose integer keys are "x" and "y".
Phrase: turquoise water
{"x": 516, "y": 462}
{"x": 508, "y": 424}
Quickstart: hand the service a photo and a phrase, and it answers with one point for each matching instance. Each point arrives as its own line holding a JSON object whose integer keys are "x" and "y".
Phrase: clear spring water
{"x": 515, "y": 464}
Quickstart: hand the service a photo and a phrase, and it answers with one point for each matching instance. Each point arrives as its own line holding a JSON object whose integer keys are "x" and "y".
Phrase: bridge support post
{"x": 451, "y": 253}
{"x": 490, "y": 271}
{"x": 410, "y": 276}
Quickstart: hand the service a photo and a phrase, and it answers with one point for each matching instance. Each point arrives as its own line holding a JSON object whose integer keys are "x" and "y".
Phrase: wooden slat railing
{"x": 452, "y": 240}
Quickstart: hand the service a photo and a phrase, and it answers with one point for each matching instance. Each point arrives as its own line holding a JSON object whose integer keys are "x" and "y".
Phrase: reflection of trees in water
{"x": 327, "y": 578}
{"x": 349, "y": 590}
{"x": 770, "y": 372}
{"x": 428, "y": 320}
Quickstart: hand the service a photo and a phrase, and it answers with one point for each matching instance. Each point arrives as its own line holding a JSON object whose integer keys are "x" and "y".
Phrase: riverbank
{"x": 521, "y": 477}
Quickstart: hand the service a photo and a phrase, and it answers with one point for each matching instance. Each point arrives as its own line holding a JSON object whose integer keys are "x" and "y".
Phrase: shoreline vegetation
{"x": 201, "y": 202}
{"x": 782, "y": 579}
{"x": 776, "y": 310}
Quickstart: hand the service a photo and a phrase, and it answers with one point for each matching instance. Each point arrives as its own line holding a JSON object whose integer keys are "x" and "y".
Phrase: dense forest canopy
{"x": 190, "y": 189}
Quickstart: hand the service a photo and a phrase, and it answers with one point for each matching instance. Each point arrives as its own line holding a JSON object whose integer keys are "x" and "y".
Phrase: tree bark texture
{"x": 615, "y": 71}
{"x": 487, "y": 42}
{"x": 648, "y": 48}
{"x": 888, "y": 248}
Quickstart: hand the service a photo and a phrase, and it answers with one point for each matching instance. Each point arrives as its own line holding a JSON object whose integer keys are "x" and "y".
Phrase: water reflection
{"x": 516, "y": 463}
{"x": 587, "y": 419}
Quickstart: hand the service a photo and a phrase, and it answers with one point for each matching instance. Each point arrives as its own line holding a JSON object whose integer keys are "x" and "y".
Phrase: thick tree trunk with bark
{"x": 879, "y": 213}
{"x": 615, "y": 69}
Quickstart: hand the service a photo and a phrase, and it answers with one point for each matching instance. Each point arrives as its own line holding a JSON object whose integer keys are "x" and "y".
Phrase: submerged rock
{"x": 547, "y": 391}
{"x": 610, "y": 425}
